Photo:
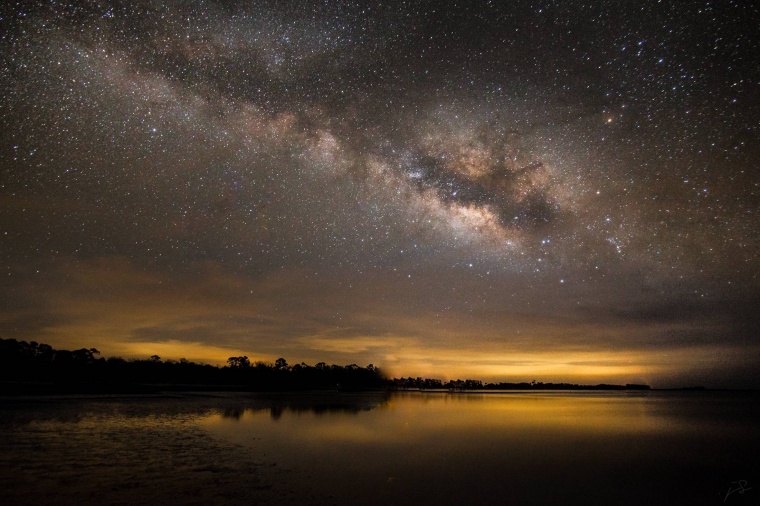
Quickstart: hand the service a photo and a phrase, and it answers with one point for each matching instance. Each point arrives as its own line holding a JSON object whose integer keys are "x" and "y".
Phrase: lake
{"x": 418, "y": 448}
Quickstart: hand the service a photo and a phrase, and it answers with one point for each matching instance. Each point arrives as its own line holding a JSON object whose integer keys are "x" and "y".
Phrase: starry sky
{"x": 559, "y": 191}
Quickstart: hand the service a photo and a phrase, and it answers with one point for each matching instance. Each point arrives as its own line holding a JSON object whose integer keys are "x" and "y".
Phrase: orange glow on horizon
{"x": 211, "y": 315}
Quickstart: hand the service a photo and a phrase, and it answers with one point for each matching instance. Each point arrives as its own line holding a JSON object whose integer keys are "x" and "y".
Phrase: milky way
{"x": 559, "y": 189}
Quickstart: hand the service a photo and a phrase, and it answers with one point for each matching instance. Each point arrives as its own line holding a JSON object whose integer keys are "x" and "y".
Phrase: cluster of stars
{"x": 602, "y": 147}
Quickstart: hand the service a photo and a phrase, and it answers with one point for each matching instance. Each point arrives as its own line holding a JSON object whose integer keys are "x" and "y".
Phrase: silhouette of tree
{"x": 239, "y": 362}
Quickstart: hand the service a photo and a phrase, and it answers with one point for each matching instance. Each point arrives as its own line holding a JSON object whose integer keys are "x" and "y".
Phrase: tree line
{"x": 31, "y": 366}
{"x": 471, "y": 384}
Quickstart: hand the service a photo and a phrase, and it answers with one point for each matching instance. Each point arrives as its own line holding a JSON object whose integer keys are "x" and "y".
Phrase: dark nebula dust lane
{"x": 553, "y": 189}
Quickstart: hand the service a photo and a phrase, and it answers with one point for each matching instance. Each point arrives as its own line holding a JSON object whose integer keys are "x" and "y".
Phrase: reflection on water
{"x": 125, "y": 451}
{"x": 511, "y": 448}
{"x": 314, "y": 403}
{"x": 378, "y": 449}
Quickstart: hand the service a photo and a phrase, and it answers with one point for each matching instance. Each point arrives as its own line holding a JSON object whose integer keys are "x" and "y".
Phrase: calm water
{"x": 407, "y": 448}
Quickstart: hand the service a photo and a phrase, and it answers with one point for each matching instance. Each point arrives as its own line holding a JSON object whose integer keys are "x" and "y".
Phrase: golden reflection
{"x": 410, "y": 416}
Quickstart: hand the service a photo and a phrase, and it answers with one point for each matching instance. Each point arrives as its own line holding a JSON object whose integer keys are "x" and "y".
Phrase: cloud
{"x": 354, "y": 345}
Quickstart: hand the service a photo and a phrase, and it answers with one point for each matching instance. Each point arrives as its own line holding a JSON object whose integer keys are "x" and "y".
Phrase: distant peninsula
{"x": 469, "y": 384}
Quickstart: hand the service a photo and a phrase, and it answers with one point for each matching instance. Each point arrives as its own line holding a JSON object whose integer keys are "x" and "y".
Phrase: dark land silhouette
{"x": 30, "y": 367}
{"x": 34, "y": 368}
{"x": 470, "y": 384}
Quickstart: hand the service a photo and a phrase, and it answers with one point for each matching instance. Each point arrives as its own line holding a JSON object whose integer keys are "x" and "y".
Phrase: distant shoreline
{"x": 34, "y": 369}
{"x": 12, "y": 390}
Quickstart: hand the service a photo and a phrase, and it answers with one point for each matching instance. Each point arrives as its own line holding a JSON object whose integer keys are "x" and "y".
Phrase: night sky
{"x": 558, "y": 191}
